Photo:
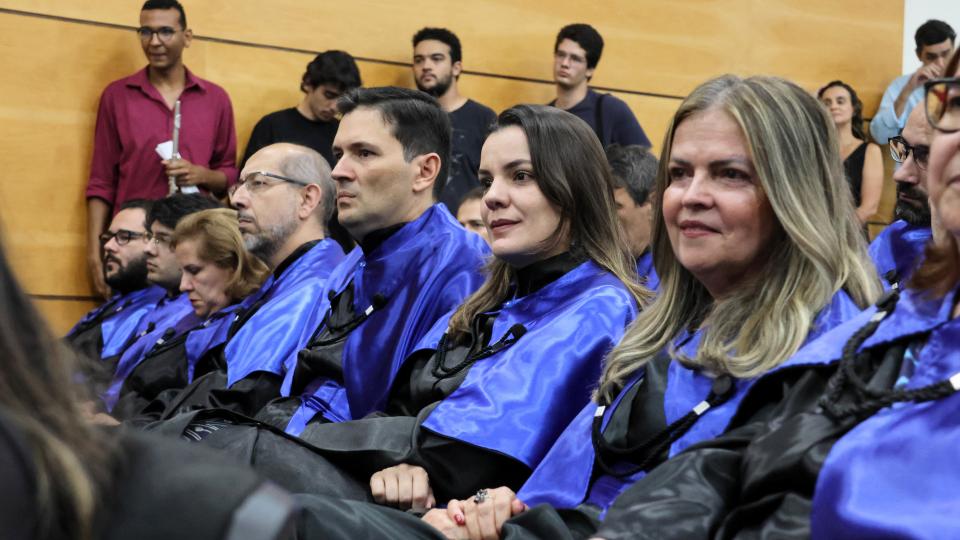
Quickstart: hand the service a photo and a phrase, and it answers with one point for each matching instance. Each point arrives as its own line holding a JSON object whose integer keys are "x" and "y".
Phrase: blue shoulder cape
{"x": 645, "y": 270}
{"x": 123, "y": 317}
{"x": 898, "y": 249}
{"x": 518, "y": 401}
{"x": 172, "y": 314}
{"x": 421, "y": 272}
{"x": 563, "y": 478}
{"x": 895, "y": 475}
{"x": 272, "y": 335}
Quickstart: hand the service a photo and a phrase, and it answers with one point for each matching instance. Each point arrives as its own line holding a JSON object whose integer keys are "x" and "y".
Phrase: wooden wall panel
{"x": 59, "y": 54}
{"x": 61, "y": 315}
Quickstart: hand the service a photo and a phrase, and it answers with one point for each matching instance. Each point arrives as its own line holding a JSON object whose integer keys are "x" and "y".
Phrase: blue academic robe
{"x": 563, "y": 479}
{"x": 418, "y": 274}
{"x": 898, "y": 250}
{"x": 646, "y": 272}
{"x": 171, "y": 318}
{"x": 119, "y": 317}
{"x": 895, "y": 474}
{"x": 271, "y": 336}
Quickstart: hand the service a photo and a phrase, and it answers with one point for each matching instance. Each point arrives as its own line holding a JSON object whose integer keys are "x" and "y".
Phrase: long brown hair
{"x": 572, "y": 172}
{"x": 39, "y": 396}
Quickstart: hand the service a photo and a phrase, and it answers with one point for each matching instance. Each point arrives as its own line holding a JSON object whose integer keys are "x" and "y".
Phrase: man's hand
{"x": 924, "y": 74}
{"x": 187, "y": 173}
{"x": 403, "y": 486}
{"x": 484, "y": 520}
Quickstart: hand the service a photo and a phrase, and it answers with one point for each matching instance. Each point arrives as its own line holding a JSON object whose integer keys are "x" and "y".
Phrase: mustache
{"x": 111, "y": 258}
{"x": 911, "y": 190}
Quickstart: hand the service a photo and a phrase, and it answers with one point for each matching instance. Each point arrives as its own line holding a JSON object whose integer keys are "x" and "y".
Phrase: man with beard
{"x": 284, "y": 198}
{"x": 899, "y": 248}
{"x": 104, "y": 331}
{"x": 575, "y": 57}
{"x": 437, "y": 65}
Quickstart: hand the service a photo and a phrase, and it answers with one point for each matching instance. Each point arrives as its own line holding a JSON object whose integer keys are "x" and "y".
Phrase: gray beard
{"x": 268, "y": 241}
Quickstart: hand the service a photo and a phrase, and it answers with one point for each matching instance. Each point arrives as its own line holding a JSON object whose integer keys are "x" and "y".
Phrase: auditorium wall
{"x": 59, "y": 54}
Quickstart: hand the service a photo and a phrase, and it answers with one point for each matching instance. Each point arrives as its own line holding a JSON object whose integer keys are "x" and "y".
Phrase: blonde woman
{"x": 217, "y": 273}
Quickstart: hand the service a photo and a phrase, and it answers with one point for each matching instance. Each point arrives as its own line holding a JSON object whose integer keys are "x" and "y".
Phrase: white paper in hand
{"x": 165, "y": 151}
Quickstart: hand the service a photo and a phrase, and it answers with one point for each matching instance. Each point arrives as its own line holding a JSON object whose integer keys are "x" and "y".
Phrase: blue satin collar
{"x": 125, "y": 314}
{"x": 899, "y": 249}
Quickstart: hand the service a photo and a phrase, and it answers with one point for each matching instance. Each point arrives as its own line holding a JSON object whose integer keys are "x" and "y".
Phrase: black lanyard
{"x": 649, "y": 451}
{"x": 513, "y": 335}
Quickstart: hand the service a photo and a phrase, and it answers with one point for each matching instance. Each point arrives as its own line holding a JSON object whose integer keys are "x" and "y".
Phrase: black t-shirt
{"x": 471, "y": 124}
{"x": 290, "y": 126}
{"x": 619, "y": 125}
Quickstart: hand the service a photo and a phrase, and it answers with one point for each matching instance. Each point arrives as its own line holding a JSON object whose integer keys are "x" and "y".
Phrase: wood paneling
{"x": 61, "y": 53}
{"x": 61, "y": 315}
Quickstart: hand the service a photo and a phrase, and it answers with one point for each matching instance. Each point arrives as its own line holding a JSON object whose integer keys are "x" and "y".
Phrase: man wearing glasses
{"x": 103, "y": 332}
{"x": 136, "y": 114}
{"x": 898, "y": 249}
{"x": 576, "y": 54}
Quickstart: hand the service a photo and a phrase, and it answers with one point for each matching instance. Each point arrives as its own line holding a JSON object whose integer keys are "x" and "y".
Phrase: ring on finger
{"x": 480, "y": 496}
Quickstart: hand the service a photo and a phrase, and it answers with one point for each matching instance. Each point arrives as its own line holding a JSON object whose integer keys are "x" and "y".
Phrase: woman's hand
{"x": 485, "y": 518}
{"x": 403, "y": 486}
{"x": 440, "y": 520}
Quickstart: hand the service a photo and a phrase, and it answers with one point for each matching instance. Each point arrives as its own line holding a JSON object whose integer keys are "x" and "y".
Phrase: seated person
{"x": 105, "y": 330}
{"x": 899, "y": 248}
{"x": 488, "y": 389}
{"x": 284, "y": 200}
{"x": 217, "y": 273}
{"x": 727, "y": 231}
{"x": 469, "y": 212}
{"x": 866, "y": 440}
{"x": 634, "y": 174}
{"x": 63, "y": 478}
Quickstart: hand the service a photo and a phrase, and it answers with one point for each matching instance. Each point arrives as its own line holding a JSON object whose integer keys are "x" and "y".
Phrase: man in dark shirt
{"x": 437, "y": 64}
{"x": 313, "y": 122}
{"x": 575, "y": 57}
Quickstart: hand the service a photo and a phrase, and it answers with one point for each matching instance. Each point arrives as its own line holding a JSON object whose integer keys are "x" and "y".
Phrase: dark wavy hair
{"x": 336, "y": 68}
{"x": 856, "y": 123}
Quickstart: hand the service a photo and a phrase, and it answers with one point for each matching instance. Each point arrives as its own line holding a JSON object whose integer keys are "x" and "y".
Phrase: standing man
{"x": 899, "y": 248}
{"x": 136, "y": 115}
{"x": 575, "y": 57}
{"x": 634, "y": 178}
{"x": 934, "y": 40}
{"x": 437, "y": 64}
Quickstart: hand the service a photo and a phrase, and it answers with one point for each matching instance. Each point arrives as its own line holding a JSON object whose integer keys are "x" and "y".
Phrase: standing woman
{"x": 862, "y": 160}
{"x": 217, "y": 273}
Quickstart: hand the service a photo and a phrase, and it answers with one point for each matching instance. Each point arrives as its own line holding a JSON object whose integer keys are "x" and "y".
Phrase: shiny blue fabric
{"x": 211, "y": 333}
{"x": 176, "y": 313}
{"x": 518, "y": 401}
{"x": 271, "y": 336}
{"x": 896, "y": 474}
{"x": 126, "y": 311}
{"x": 563, "y": 479}
{"x": 899, "y": 248}
{"x": 645, "y": 270}
{"x": 424, "y": 270}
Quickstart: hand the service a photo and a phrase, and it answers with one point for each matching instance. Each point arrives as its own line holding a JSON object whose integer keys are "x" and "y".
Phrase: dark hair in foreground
{"x": 856, "y": 122}
{"x": 634, "y": 168}
{"x": 940, "y": 270}
{"x": 38, "y": 396}
{"x": 336, "y": 68}
{"x": 572, "y": 172}
{"x": 933, "y": 32}
{"x": 170, "y": 210}
{"x": 587, "y": 37}
{"x": 444, "y": 36}
{"x": 415, "y": 119}
{"x": 172, "y": 4}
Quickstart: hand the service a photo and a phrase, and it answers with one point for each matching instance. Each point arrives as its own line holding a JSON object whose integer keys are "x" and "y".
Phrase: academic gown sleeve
{"x": 246, "y": 396}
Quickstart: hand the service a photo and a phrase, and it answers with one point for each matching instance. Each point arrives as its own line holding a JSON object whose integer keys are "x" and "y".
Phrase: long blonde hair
{"x": 572, "y": 172}
{"x": 818, "y": 250}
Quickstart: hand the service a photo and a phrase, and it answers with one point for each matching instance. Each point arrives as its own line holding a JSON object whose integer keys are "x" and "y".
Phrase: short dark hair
{"x": 933, "y": 32}
{"x": 474, "y": 194}
{"x": 337, "y": 68}
{"x": 416, "y": 119}
{"x": 170, "y": 4}
{"x": 170, "y": 210}
{"x": 443, "y": 35}
{"x": 634, "y": 168}
{"x": 587, "y": 37}
{"x": 856, "y": 122}
{"x": 142, "y": 204}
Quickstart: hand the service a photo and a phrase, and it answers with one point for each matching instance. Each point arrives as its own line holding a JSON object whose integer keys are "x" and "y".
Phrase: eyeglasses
{"x": 165, "y": 33}
{"x": 160, "y": 239}
{"x": 942, "y": 101}
{"x": 900, "y": 151}
{"x": 257, "y": 181}
{"x": 122, "y": 236}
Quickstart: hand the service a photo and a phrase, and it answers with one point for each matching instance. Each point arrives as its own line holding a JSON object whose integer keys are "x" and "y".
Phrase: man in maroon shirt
{"x": 136, "y": 115}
